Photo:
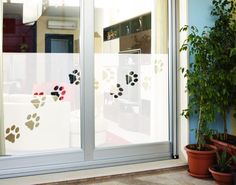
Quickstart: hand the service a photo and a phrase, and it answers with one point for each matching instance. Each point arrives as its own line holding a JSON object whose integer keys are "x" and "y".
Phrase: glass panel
{"x": 131, "y": 72}
{"x": 41, "y": 76}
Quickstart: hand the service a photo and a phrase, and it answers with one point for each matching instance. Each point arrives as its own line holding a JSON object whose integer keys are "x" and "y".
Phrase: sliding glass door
{"x": 131, "y": 78}
{"x": 85, "y": 83}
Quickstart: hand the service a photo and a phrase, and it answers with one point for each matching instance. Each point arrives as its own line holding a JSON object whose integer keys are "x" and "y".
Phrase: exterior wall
{"x": 199, "y": 15}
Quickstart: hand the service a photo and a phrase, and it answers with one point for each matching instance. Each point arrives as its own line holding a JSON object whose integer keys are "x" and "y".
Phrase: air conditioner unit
{"x": 68, "y": 25}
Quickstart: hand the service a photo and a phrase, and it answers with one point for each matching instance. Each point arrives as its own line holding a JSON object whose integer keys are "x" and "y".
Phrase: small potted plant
{"x": 222, "y": 172}
{"x": 200, "y": 155}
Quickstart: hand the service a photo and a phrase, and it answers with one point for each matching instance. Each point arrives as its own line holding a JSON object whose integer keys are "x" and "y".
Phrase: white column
{"x": 183, "y": 126}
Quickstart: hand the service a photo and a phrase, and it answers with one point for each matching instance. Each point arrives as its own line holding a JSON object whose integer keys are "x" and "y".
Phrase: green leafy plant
{"x": 222, "y": 42}
{"x": 224, "y": 161}
{"x": 199, "y": 83}
{"x": 211, "y": 78}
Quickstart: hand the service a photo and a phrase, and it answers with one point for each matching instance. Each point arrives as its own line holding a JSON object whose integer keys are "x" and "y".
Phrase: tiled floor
{"x": 178, "y": 176}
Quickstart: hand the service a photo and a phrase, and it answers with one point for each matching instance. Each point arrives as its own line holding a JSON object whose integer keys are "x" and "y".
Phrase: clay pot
{"x": 221, "y": 145}
{"x": 222, "y": 178}
{"x": 200, "y": 161}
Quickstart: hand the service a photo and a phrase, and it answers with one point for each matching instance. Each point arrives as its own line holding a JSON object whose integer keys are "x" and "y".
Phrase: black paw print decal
{"x": 74, "y": 77}
{"x": 58, "y": 93}
{"x": 38, "y": 100}
{"x": 32, "y": 121}
{"x": 12, "y": 133}
{"x": 119, "y": 91}
{"x": 131, "y": 78}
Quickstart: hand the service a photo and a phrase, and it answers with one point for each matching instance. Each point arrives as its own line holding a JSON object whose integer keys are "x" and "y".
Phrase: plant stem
{"x": 225, "y": 126}
{"x": 199, "y": 142}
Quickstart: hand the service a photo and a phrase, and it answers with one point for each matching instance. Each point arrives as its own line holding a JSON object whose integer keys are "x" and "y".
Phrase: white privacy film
{"x": 41, "y": 76}
{"x": 131, "y": 95}
{"x": 131, "y": 72}
{"x": 41, "y": 102}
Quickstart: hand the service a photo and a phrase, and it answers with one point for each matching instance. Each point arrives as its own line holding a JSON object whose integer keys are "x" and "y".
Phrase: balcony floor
{"x": 175, "y": 176}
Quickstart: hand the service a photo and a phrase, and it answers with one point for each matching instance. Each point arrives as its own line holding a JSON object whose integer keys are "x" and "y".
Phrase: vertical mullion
{"x": 87, "y": 85}
{"x": 173, "y": 77}
{"x": 2, "y": 140}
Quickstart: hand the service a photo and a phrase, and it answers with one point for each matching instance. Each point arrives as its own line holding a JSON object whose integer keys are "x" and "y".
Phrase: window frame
{"x": 88, "y": 156}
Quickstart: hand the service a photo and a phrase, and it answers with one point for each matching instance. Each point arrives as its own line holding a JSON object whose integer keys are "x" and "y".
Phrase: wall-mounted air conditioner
{"x": 68, "y": 25}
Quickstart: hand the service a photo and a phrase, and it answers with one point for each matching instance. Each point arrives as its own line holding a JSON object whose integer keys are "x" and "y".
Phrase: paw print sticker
{"x": 131, "y": 78}
{"x": 108, "y": 74}
{"x": 119, "y": 91}
{"x": 12, "y": 133}
{"x": 158, "y": 66}
{"x": 32, "y": 121}
{"x": 58, "y": 93}
{"x": 38, "y": 100}
{"x": 146, "y": 83}
{"x": 74, "y": 77}
{"x": 96, "y": 85}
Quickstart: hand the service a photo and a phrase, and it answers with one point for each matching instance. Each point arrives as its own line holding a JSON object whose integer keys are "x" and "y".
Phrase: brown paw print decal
{"x": 74, "y": 77}
{"x": 12, "y": 133}
{"x": 38, "y": 100}
{"x": 32, "y": 121}
{"x": 131, "y": 78}
{"x": 119, "y": 91}
{"x": 58, "y": 93}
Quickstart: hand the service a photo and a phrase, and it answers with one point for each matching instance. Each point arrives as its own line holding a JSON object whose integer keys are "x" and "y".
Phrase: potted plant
{"x": 221, "y": 171}
{"x": 200, "y": 88}
{"x": 222, "y": 37}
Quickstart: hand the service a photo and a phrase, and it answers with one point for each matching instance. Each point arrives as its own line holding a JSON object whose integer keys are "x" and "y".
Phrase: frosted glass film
{"x": 41, "y": 102}
{"x": 131, "y": 99}
{"x": 131, "y": 72}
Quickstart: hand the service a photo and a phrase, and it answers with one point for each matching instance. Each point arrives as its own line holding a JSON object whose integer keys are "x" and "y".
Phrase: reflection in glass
{"x": 41, "y": 76}
{"x": 131, "y": 103}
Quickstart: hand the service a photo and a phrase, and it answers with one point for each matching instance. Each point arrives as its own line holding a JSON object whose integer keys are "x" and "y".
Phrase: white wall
{"x": 42, "y": 29}
{"x": 115, "y": 14}
{"x": 183, "y": 124}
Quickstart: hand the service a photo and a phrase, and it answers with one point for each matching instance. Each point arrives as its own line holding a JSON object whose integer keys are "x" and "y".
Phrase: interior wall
{"x": 160, "y": 27}
{"x": 15, "y": 34}
{"x": 116, "y": 15}
{"x": 42, "y": 30}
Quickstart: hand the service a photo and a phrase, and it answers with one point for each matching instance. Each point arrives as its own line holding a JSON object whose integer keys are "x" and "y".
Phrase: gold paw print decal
{"x": 12, "y": 133}
{"x": 32, "y": 121}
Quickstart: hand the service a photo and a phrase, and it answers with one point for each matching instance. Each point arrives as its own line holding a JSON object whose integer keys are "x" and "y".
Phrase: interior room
{"x": 95, "y": 91}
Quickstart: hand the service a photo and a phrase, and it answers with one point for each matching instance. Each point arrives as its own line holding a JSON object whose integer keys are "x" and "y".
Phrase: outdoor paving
{"x": 166, "y": 177}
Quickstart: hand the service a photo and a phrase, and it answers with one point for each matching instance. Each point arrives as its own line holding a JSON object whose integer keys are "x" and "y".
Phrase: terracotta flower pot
{"x": 221, "y": 145}
{"x": 222, "y": 178}
{"x": 200, "y": 161}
